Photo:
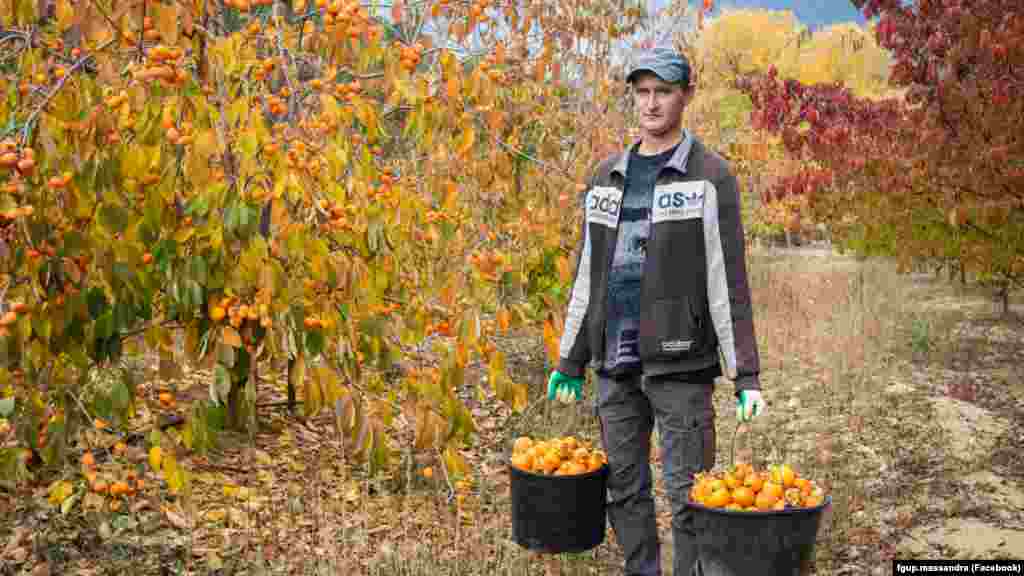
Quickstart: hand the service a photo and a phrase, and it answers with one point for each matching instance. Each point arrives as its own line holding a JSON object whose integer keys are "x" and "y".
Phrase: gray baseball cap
{"x": 666, "y": 63}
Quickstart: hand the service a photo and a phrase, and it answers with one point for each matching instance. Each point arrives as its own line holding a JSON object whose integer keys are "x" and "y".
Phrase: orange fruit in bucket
{"x": 754, "y": 481}
{"x": 744, "y": 488}
{"x": 719, "y": 498}
{"x": 743, "y": 496}
{"x": 522, "y": 444}
{"x": 560, "y": 456}
{"x": 764, "y": 501}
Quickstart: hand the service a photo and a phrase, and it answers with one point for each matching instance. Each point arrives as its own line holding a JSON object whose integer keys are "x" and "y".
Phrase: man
{"x": 660, "y": 306}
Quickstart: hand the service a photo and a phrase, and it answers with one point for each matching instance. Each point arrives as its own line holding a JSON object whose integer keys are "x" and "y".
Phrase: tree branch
{"x": 56, "y": 88}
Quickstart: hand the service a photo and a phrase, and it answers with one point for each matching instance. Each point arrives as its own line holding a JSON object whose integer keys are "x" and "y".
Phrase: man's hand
{"x": 564, "y": 388}
{"x": 749, "y": 404}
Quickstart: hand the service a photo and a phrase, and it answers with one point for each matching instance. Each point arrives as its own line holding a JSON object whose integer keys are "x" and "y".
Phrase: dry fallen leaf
{"x": 213, "y": 561}
{"x": 215, "y": 515}
{"x": 177, "y": 519}
{"x": 19, "y": 535}
{"x": 17, "y": 555}
{"x": 92, "y": 501}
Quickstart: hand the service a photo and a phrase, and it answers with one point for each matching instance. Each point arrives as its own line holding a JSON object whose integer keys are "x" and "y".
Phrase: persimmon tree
{"x": 935, "y": 172}
{"x": 366, "y": 194}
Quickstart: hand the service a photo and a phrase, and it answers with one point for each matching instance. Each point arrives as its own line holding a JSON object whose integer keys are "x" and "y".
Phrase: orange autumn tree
{"x": 349, "y": 191}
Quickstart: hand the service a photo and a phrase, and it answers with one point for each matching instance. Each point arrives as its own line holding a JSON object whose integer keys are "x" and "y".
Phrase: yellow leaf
{"x": 155, "y": 458}
{"x": 451, "y": 195}
{"x": 181, "y": 236}
{"x": 215, "y": 515}
{"x": 230, "y": 490}
{"x": 169, "y": 466}
{"x": 167, "y": 21}
{"x": 313, "y": 401}
{"x": 238, "y": 108}
{"x": 496, "y": 120}
{"x": 551, "y": 341}
{"x": 564, "y": 269}
{"x": 452, "y": 87}
{"x": 496, "y": 369}
{"x": 205, "y": 145}
{"x": 330, "y": 107}
{"x": 468, "y": 138}
{"x": 60, "y": 491}
{"x": 519, "y": 398}
{"x": 279, "y": 217}
{"x": 454, "y": 462}
{"x": 65, "y": 15}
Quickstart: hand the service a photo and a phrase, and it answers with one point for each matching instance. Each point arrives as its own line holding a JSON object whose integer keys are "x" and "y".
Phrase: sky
{"x": 812, "y": 13}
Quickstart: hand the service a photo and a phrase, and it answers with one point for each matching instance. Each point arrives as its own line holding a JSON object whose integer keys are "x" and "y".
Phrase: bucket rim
{"x": 591, "y": 474}
{"x": 762, "y": 513}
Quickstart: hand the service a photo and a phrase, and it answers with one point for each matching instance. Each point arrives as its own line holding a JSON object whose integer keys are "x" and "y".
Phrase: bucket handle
{"x": 735, "y": 433}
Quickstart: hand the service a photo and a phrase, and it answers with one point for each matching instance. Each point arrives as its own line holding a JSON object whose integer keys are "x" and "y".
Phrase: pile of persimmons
{"x": 744, "y": 488}
{"x": 565, "y": 456}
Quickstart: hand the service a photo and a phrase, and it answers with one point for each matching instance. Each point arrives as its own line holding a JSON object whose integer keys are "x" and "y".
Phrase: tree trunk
{"x": 236, "y": 407}
{"x": 1004, "y": 295}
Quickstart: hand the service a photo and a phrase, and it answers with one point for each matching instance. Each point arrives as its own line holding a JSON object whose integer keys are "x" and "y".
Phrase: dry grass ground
{"x": 900, "y": 394}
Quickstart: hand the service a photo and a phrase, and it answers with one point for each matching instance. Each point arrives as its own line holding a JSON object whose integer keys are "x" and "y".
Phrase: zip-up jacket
{"x": 695, "y": 309}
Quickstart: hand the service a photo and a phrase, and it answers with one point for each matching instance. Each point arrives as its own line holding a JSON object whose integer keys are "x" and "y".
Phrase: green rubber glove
{"x": 749, "y": 404}
{"x": 564, "y": 388}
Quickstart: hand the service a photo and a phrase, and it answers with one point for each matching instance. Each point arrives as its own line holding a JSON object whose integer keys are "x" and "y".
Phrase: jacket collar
{"x": 677, "y": 161}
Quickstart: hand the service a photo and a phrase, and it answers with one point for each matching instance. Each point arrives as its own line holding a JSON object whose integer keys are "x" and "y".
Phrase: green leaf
{"x": 221, "y": 384}
{"x": 314, "y": 343}
{"x": 199, "y": 270}
{"x": 69, "y": 502}
{"x": 114, "y": 218}
{"x": 216, "y": 416}
{"x": 124, "y": 316}
{"x": 104, "y": 325}
{"x": 199, "y": 206}
{"x": 120, "y": 397}
{"x": 74, "y": 242}
{"x": 6, "y": 407}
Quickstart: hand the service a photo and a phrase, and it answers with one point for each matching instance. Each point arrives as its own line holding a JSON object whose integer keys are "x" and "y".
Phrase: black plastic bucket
{"x": 737, "y": 543}
{"x": 556, "y": 514}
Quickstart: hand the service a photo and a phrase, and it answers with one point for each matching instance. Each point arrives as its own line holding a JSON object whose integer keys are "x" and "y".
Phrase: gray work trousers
{"x": 628, "y": 409}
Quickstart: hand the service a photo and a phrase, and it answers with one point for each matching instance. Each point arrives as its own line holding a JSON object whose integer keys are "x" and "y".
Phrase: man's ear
{"x": 688, "y": 93}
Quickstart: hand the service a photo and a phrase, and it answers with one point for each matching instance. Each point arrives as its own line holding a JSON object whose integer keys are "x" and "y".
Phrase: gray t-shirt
{"x": 622, "y": 351}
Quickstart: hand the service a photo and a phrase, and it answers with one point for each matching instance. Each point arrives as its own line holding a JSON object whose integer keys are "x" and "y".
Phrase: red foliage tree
{"x": 936, "y": 170}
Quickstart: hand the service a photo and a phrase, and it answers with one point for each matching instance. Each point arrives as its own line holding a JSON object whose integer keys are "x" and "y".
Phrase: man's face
{"x": 659, "y": 104}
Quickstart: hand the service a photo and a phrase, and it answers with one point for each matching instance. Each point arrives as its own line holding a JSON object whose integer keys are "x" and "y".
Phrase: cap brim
{"x": 632, "y": 75}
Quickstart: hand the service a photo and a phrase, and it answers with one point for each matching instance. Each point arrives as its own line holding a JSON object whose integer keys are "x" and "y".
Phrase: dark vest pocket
{"x": 678, "y": 329}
